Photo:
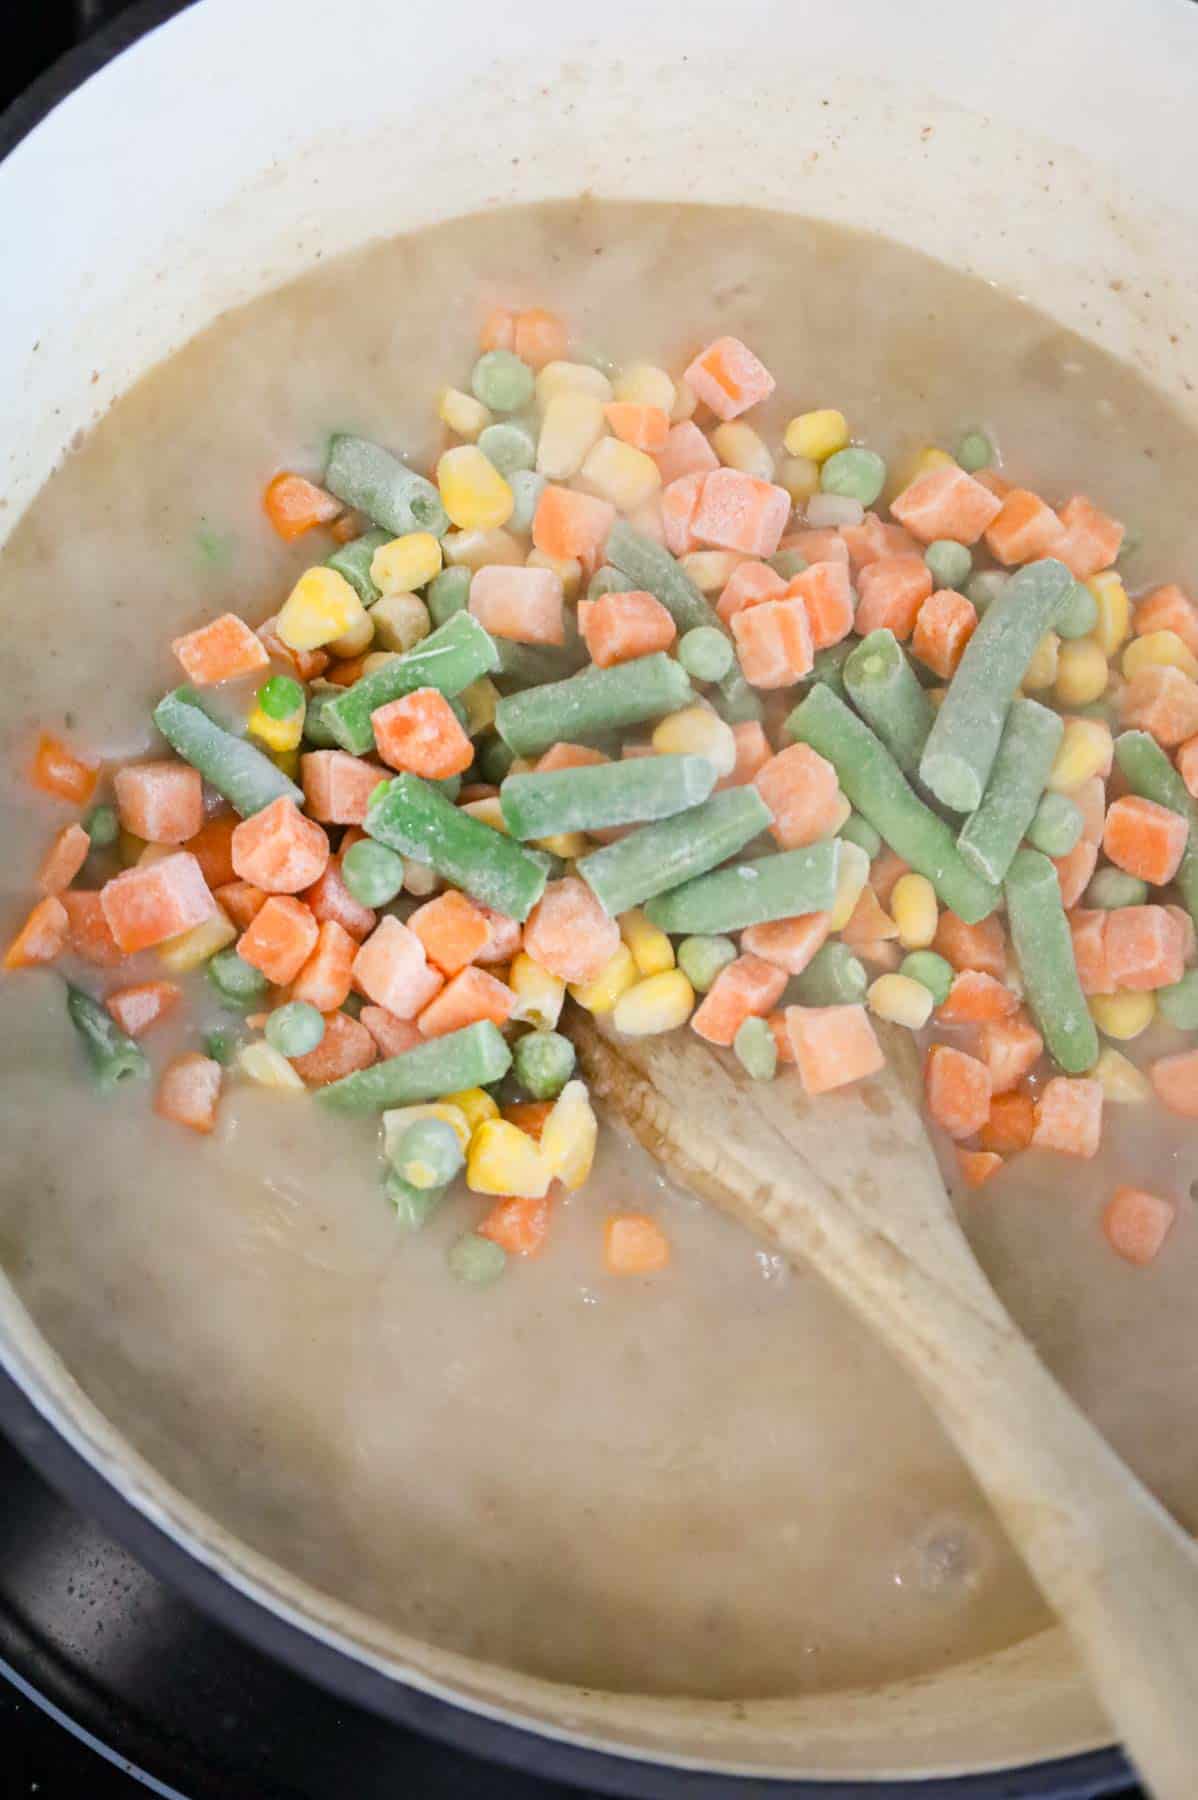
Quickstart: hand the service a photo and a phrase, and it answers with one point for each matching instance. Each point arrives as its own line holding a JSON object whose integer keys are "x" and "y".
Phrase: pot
{"x": 208, "y": 163}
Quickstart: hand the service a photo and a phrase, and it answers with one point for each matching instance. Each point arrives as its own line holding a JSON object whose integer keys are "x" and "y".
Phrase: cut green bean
{"x": 607, "y": 580}
{"x": 877, "y": 788}
{"x": 702, "y": 957}
{"x": 631, "y": 792}
{"x": 428, "y": 1154}
{"x": 752, "y": 893}
{"x": 476, "y": 1260}
{"x": 705, "y": 653}
{"x": 591, "y": 703}
{"x": 112, "y": 1054}
{"x": 859, "y": 831}
{"x": 1043, "y": 949}
{"x": 472, "y": 1057}
{"x": 237, "y": 982}
{"x": 353, "y": 561}
{"x": 833, "y": 977}
{"x": 1178, "y": 1003}
{"x": 414, "y": 1206}
{"x": 1112, "y": 888}
{"x": 543, "y": 1062}
{"x": 508, "y": 446}
{"x": 787, "y": 563}
{"x": 102, "y": 827}
{"x": 883, "y": 687}
{"x": 827, "y": 668}
{"x": 655, "y": 571}
{"x": 1077, "y": 614}
{"x": 372, "y": 873}
{"x": 449, "y": 659}
{"x": 950, "y": 564}
{"x": 931, "y": 971}
{"x": 756, "y": 1050}
{"x": 990, "y": 837}
{"x": 502, "y": 381}
{"x": 409, "y": 815}
{"x": 244, "y": 775}
{"x": 736, "y": 702}
{"x": 662, "y": 856}
{"x": 854, "y": 474}
{"x": 316, "y": 728}
{"x": 531, "y": 665}
{"x": 494, "y": 761}
{"x": 374, "y": 482}
{"x": 1057, "y": 826}
{"x": 446, "y": 594}
{"x": 974, "y": 452}
{"x": 1151, "y": 775}
{"x": 294, "y": 1029}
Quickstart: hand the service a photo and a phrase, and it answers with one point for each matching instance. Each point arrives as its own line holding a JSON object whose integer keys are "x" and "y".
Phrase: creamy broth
{"x": 712, "y": 1483}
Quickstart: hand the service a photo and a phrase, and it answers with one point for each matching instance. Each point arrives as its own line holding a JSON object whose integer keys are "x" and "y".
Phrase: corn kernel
{"x": 900, "y": 999}
{"x": 406, "y": 563}
{"x": 567, "y": 844}
{"x": 473, "y": 492}
{"x": 1114, "y": 611}
{"x": 475, "y": 1104}
{"x": 568, "y": 570}
{"x": 128, "y": 848}
{"x": 644, "y": 384}
{"x": 321, "y": 607}
{"x": 400, "y": 621}
{"x": 505, "y": 1160}
{"x": 799, "y": 475}
{"x": 573, "y": 424}
{"x": 620, "y": 474}
{"x": 397, "y": 1120}
{"x": 1159, "y": 649}
{"x": 1083, "y": 752}
{"x": 655, "y": 1004}
{"x": 419, "y": 879}
{"x": 464, "y": 415}
{"x": 267, "y": 1067}
{"x": 738, "y": 446}
{"x": 476, "y": 550}
{"x": 914, "y": 910}
{"x": 852, "y": 873}
{"x": 378, "y": 659}
{"x": 1041, "y": 671}
{"x": 817, "y": 435}
{"x": 931, "y": 457}
{"x": 1121, "y": 1082}
{"x": 572, "y": 378}
{"x": 1124, "y": 1015}
{"x": 487, "y": 811}
{"x": 276, "y": 734}
{"x": 539, "y": 994}
{"x": 191, "y": 948}
{"x": 357, "y": 639}
{"x": 652, "y": 951}
{"x": 479, "y": 698}
{"x": 618, "y": 974}
{"x": 710, "y": 569}
{"x": 685, "y": 402}
{"x": 1082, "y": 673}
{"x": 697, "y": 731}
{"x": 570, "y": 1135}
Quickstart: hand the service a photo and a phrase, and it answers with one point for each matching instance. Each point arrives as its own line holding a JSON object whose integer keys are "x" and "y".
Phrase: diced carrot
{"x": 789, "y": 943}
{"x": 872, "y": 539}
{"x": 833, "y": 1046}
{"x": 569, "y": 933}
{"x": 1136, "y": 1223}
{"x": 41, "y": 938}
{"x": 540, "y": 337}
{"x": 634, "y": 1244}
{"x": 471, "y": 995}
{"x": 1024, "y": 528}
{"x": 965, "y": 946}
{"x": 162, "y": 802}
{"x": 280, "y": 938}
{"x": 944, "y": 625}
{"x": 1010, "y": 1049}
{"x": 329, "y": 898}
{"x": 524, "y": 605}
{"x": 1011, "y": 1124}
{"x": 220, "y": 651}
{"x": 781, "y": 1036}
{"x": 1092, "y": 539}
{"x": 1069, "y": 1116}
{"x": 529, "y": 1116}
{"x": 1187, "y": 764}
{"x": 868, "y": 923}
{"x": 390, "y": 968}
{"x": 1145, "y": 839}
{"x": 306, "y": 664}
{"x": 212, "y": 847}
{"x": 748, "y": 988}
{"x": 564, "y": 755}
{"x": 749, "y": 583}
{"x": 884, "y": 874}
{"x": 88, "y": 932}
{"x": 644, "y": 427}
{"x": 567, "y": 524}
{"x": 57, "y": 770}
{"x": 189, "y": 1090}
{"x": 976, "y": 998}
{"x": 958, "y": 1089}
{"x": 1175, "y": 1079}
{"x": 773, "y": 643}
{"x": 452, "y": 930}
{"x": 420, "y": 734}
{"x": 347, "y": 526}
{"x": 946, "y": 503}
{"x": 618, "y": 627}
{"x": 801, "y": 790}
{"x": 679, "y": 504}
{"x": 1161, "y": 700}
{"x": 392, "y": 1035}
{"x": 327, "y": 976}
{"x": 347, "y": 671}
{"x": 337, "y": 786}
{"x": 883, "y": 954}
{"x": 147, "y": 904}
{"x": 294, "y": 505}
{"x": 1074, "y": 870}
{"x": 136, "y": 1008}
{"x": 1188, "y": 935}
{"x": 505, "y": 938}
{"x": 1167, "y": 608}
{"x": 825, "y": 545}
{"x": 741, "y": 512}
{"x": 498, "y": 330}
{"x": 63, "y": 860}
{"x": 279, "y": 849}
{"x": 728, "y": 378}
{"x": 346, "y": 1046}
{"x": 977, "y": 1166}
{"x": 825, "y": 591}
{"x": 686, "y": 452}
{"x": 1087, "y": 927}
{"x": 519, "y": 1226}
{"x": 891, "y": 591}
{"x": 1145, "y": 948}
{"x": 752, "y": 753}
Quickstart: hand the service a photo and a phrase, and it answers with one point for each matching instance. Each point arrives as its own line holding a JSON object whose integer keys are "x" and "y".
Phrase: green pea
{"x": 543, "y": 1062}
{"x": 985, "y": 587}
{"x": 950, "y": 564}
{"x": 705, "y": 653}
{"x": 446, "y": 594}
{"x": 494, "y": 761}
{"x": 372, "y": 873}
{"x": 854, "y": 474}
{"x": 1078, "y": 613}
{"x": 1057, "y": 825}
{"x": 428, "y": 1154}
{"x": 702, "y": 958}
{"x": 414, "y": 1207}
{"x": 221, "y": 1044}
{"x": 974, "y": 452}
{"x": 508, "y": 446}
{"x": 501, "y": 381}
{"x": 931, "y": 971}
{"x": 857, "y": 830}
{"x": 476, "y": 1260}
{"x": 280, "y": 697}
{"x": 787, "y": 563}
{"x": 756, "y": 1050}
{"x": 237, "y": 982}
{"x": 1112, "y": 888}
{"x": 527, "y": 487}
{"x": 1179, "y": 1004}
{"x": 294, "y": 1029}
{"x": 102, "y": 827}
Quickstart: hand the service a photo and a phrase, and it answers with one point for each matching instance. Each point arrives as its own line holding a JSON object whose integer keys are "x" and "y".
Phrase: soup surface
{"x": 712, "y": 1482}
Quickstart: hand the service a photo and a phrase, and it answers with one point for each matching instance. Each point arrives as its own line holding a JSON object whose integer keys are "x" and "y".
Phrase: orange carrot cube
{"x": 519, "y": 1226}
{"x": 563, "y": 755}
{"x": 498, "y": 331}
{"x": 833, "y": 1046}
{"x": 1010, "y": 1049}
{"x": 728, "y": 378}
{"x": 1092, "y": 539}
{"x": 421, "y": 734}
{"x": 741, "y": 512}
{"x": 521, "y": 604}
{"x": 801, "y": 790}
{"x": 1145, "y": 839}
{"x": 147, "y": 904}
{"x": 752, "y": 753}
{"x": 749, "y": 583}
{"x": 539, "y": 337}
{"x": 686, "y": 452}
{"x": 57, "y": 770}
{"x": 569, "y": 933}
{"x": 965, "y": 946}
{"x": 1167, "y": 609}
{"x": 819, "y": 545}
{"x": 88, "y": 932}
{"x": 1187, "y": 765}
{"x": 781, "y": 1035}
{"x": 869, "y": 927}
{"x": 1024, "y": 529}
{"x": 977, "y": 1166}
{"x": 958, "y": 1089}
{"x": 136, "y": 1008}
{"x": 327, "y": 977}
{"x": 976, "y": 998}
{"x": 679, "y": 504}
{"x": 619, "y": 627}
{"x": 189, "y": 1090}
{"x": 826, "y": 592}
{"x": 1069, "y": 1116}
{"x": 1074, "y": 870}
{"x": 390, "y": 968}
{"x": 279, "y": 849}
{"x": 943, "y": 626}
{"x": 279, "y": 939}
{"x": 338, "y": 786}
{"x": 1011, "y": 1124}
{"x": 787, "y": 943}
{"x": 63, "y": 860}
{"x": 329, "y": 898}
{"x": 885, "y": 872}
{"x": 162, "y": 802}
{"x": 946, "y": 503}
{"x": 392, "y": 1035}
{"x": 345, "y": 1047}
{"x": 1163, "y": 701}
{"x": 1175, "y": 1079}
{"x": 505, "y": 939}
{"x": 1136, "y": 1223}
{"x": 773, "y": 643}
{"x": 294, "y": 505}
{"x": 471, "y": 995}
{"x": 567, "y": 524}
{"x": 644, "y": 427}
{"x": 872, "y": 539}
{"x": 529, "y": 1116}
{"x": 212, "y": 847}
{"x": 220, "y": 651}
{"x": 634, "y": 1244}
{"x": 42, "y": 937}
{"x": 452, "y": 929}
{"x": 1145, "y": 948}
{"x": 892, "y": 590}
{"x": 748, "y": 988}
{"x": 1087, "y": 927}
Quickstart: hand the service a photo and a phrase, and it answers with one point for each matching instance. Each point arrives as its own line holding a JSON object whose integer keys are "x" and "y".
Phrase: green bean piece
{"x": 527, "y": 487}
{"x": 984, "y": 588}
{"x": 508, "y": 446}
{"x": 607, "y": 580}
{"x": 702, "y": 957}
{"x": 1077, "y": 614}
{"x": 409, "y": 815}
{"x": 353, "y": 561}
{"x": 1178, "y": 1004}
{"x": 472, "y": 1057}
{"x": 428, "y": 1154}
{"x": 931, "y": 971}
{"x": 531, "y": 665}
{"x": 827, "y": 668}
{"x": 833, "y": 977}
{"x": 736, "y": 702}
{"x": 372, "y": 873}
{"x": 883, "y": 687}
{"x": 237, "y": 982}
{"x": 859, "y": 831}
{"x": 1044, "y": 951}
{"x": 990, "y": 837}
{"x": 967, "y": 730}
{"x": 112, "y": 1054}
{"x": 974, "y": 452}
{"x": 854, "y": 474}
{"x": 787, "y": 563}
{"x": 374, "y": 482}
{"x": 756, "y": 1050}
{"x": 1112, "y": 888}
{"x": 949, "y": 563}
{"x": 221, "y": 1044}
{"x": 655, "y": 571}
{"x": 614, "y": 793}
{"x": 1057, "y": 825}
{"x": 543, "y": 1062}
{"x": 502, "y": 381}
{"x": 1151, "y": 775}
{"x": 244, "y": 775}
{"x": 449, "y": 659}
{"x": 591, "y": 703}
{"x": 316, "y": 728}
{"x": 705, "y": 653}
{"x": 494, "y": 761}
{"x": 102, "y": 827}
{"x": 751, "y": 893}
{"x": 294, "y": 1029}
{"x": 414, "y": 1206}
{"x": 672, "y": 851}
{"x": 446, "y": 594}
{"x": 876, "y": 787}
{"x": 476, "y": 1260}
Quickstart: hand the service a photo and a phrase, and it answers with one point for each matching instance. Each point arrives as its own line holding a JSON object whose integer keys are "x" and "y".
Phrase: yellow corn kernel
{"x": 656, "y": 1004}
{"x": 573, "y": 424}
{"x": 129, "y": 848}
{"x": 396, "y": 1122}
{"x": 418, "y": 879}
{"x": 320, "y": 608}
{"x": 931, "y": 457}
{"x": 1122, "y": 1083}
{"x": 572, "y": 378}
{"x": 487, "y": 811}
{"x": 620, "y": 474}
{"x": 1159, "y": 649}
{"x": 570, "y": 1135}
{"x": 155, "y": 853}
{"x": 617, "y": 975}
{"x": 1124, "y": 1015}
{"x": 914, "y": 910}
{"x": 476, "y": 1106}
{"x": 900, "y": 999}
{"x": 568, "y": 570}
{"x": 464, "y": 415}
{"x": 276, "y": 734}
{"x": 378, "y": 659}
{"x": 839, "y": 819}
{"x": 1114, "y": 611}
{"x": 738, "y": 446}
{"x": 406, "y": 563}
{"x": 1083, "y": 752}
{"x": 191, "y": 948}
{"x": 685, "y": 401}
{"x": 480, "y": 699}
{"x": 357, "y": 639}
{"x": 1082, "y": 673}
{"x": 1041, "y": 671}
{"x": 267, "y": 1067}
{"x": 644, "y": 384}
{"x": 852, "y": 873}
{"x": 400, "y": 621}
{"x": 475, "y": 550}
{"x": 817, "y": 435}
{"x": 566, "y": 844}
{"x": 288, "y": 761}
{"x": 505, "y": 1160}
{"x": 652, "y": 951}
{"x": 799, "y": 475}
{"x": 473, "y": 492}
{"x": 710, "y": 569}
{"x": 539, "y": 994}
{"x": 697, "y": 731}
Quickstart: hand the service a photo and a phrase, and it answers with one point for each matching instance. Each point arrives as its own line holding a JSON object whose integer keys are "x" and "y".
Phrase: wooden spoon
{"x": 848, "y": 1183}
